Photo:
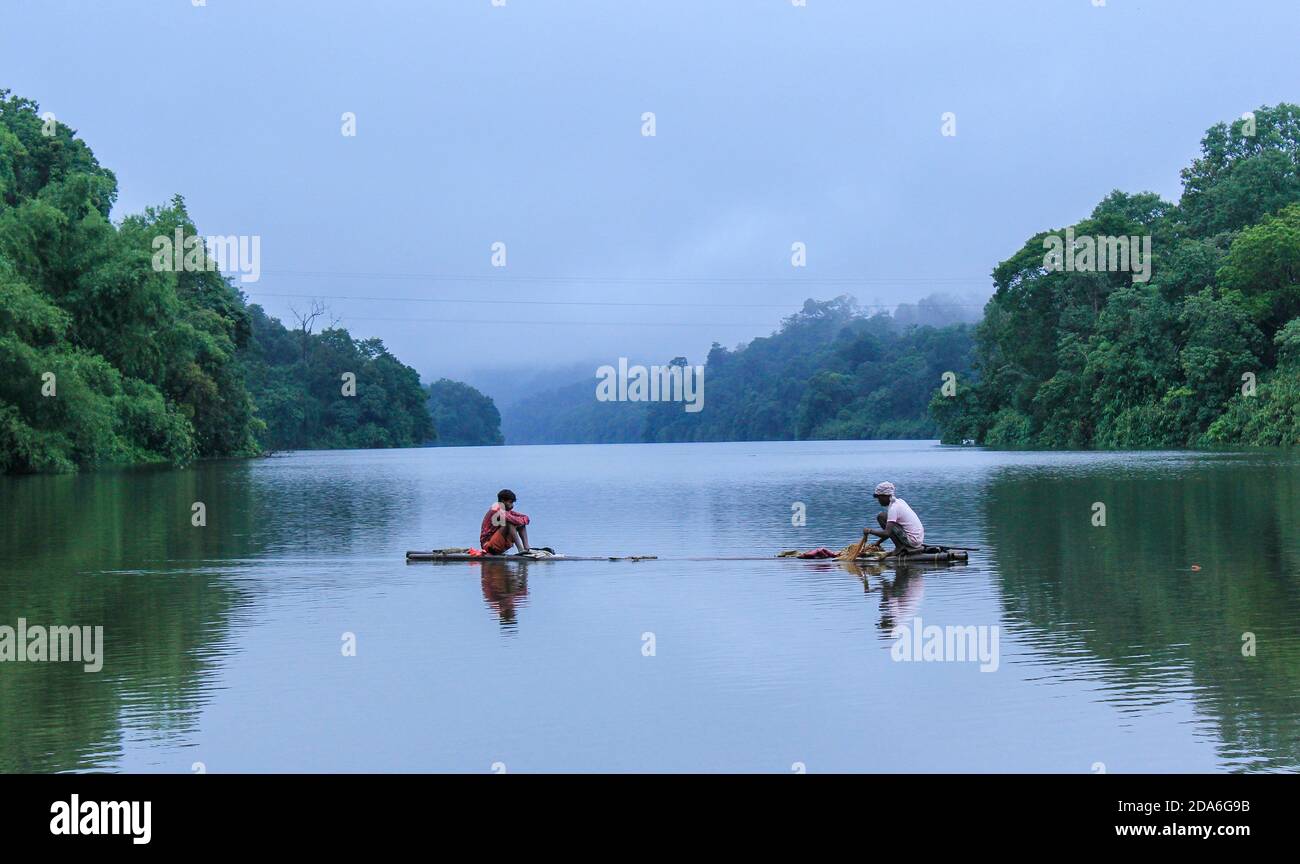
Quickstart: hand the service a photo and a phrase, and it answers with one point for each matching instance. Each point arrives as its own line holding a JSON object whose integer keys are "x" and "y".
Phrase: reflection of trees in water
{"x": 1128, "y": 593}
{"x": 318, "y": 503}
{"x": 117, "y": 549}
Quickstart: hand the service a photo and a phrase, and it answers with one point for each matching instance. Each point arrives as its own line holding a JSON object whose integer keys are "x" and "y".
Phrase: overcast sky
{"x": 523, "y": 124}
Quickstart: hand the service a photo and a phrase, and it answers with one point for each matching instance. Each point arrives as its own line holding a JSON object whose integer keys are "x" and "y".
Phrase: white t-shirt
{"x": 907, "y": 519}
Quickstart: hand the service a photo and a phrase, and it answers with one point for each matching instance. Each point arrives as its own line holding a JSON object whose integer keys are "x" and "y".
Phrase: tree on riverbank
{"x": 106, "y": 360}
{"x": 299, "y": 383}
{"x": 103, "y": 359}
{"x": 1201, "y": 354}
{"x": 463, "y": 415}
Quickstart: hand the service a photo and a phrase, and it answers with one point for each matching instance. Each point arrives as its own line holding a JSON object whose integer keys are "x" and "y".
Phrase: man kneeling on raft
{"x": 503, "y": 527}
{"x": 898, "y": 522}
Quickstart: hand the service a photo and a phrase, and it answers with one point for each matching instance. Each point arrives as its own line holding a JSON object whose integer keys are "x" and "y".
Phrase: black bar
{"x": 336, "y": 812}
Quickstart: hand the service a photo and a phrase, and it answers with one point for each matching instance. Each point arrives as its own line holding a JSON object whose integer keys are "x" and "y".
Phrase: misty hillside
{"x": 829, "y": 372}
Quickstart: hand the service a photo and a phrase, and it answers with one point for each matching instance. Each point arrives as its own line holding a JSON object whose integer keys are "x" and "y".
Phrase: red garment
{"x": 498, "y": 543}
{"x": 489, "y": 527}
{"x": 819, "y": 552}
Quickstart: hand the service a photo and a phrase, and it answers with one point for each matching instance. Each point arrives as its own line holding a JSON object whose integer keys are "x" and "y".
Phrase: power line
{"x": 498, "y": 302}
{"x": 506, "y": 278}
{"x": 535, "y": 323}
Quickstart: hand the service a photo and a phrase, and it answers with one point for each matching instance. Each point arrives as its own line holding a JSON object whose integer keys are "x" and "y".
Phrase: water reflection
{"x": 1110, "y": 623}
{"x": 76, "y": 551}
{"x": 901, "y": 585}
{"x": 120, "y": 550}
{"x": 505, "y": 587}
{"x": 900, "y": 597}
{"x": 1128, "y": 593}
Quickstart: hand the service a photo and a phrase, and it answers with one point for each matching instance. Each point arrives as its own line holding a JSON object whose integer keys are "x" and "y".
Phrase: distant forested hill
{"x": 571, "y": 415}
{"x": 1206, "y": 352}
{"x": 105, "y": 360}
{"x": 829, "y": 372}
{"x": 463, "y": 415}
{"x": 295, "y": 378}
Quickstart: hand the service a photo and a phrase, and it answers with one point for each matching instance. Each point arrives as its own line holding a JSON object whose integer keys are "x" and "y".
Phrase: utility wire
{"x": 500, "y": 302}
{"x": 536, "y": 323}
{"x": 507, "y": 278}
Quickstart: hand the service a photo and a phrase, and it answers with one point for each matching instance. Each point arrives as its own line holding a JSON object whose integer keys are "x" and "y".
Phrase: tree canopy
{"x": 1199, "y": 355}
{"x": 463, "y": 415}
{"x": 105, "y": 359}
{"x": 829, "y": 372}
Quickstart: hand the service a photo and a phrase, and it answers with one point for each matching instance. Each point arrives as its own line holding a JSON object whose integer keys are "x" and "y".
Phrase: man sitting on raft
{"x": 503, "y": 527}
{"x": 898, "y": 522}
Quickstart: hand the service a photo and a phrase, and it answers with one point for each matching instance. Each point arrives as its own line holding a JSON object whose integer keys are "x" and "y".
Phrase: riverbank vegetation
{"x": 106, "y": 360}
{"x": 328, "y": 390}
{"x": 830, "y": 371}
{"x": 463, "y": 415}
{"x": 1207, "y": 352}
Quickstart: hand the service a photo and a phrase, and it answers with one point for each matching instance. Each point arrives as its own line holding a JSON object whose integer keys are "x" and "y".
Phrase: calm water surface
{"x": 1119, "y": 645}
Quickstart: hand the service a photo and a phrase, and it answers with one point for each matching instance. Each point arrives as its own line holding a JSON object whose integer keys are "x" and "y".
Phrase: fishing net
{"x": 861, "y": 549}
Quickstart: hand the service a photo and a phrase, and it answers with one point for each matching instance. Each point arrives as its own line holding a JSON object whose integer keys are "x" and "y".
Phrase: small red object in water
{"x": 1196, "y": 567}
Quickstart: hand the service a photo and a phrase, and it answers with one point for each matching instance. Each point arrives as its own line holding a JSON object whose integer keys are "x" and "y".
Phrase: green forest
{"x": 105, "y": 360}
{"x": 1205, "y": 353}
{"x": 1201, "y": 348}
{"x": 463, "y": 415}
{"x": 296, "y": 378}
{"x": 829, "y": 372}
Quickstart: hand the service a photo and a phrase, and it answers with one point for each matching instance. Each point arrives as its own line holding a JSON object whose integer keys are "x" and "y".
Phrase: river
{"x": 1165, "y": 640}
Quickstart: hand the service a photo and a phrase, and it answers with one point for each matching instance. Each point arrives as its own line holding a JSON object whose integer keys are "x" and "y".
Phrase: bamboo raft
{"x": 457, "y": 555}
{"x": 940, "y": 555}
